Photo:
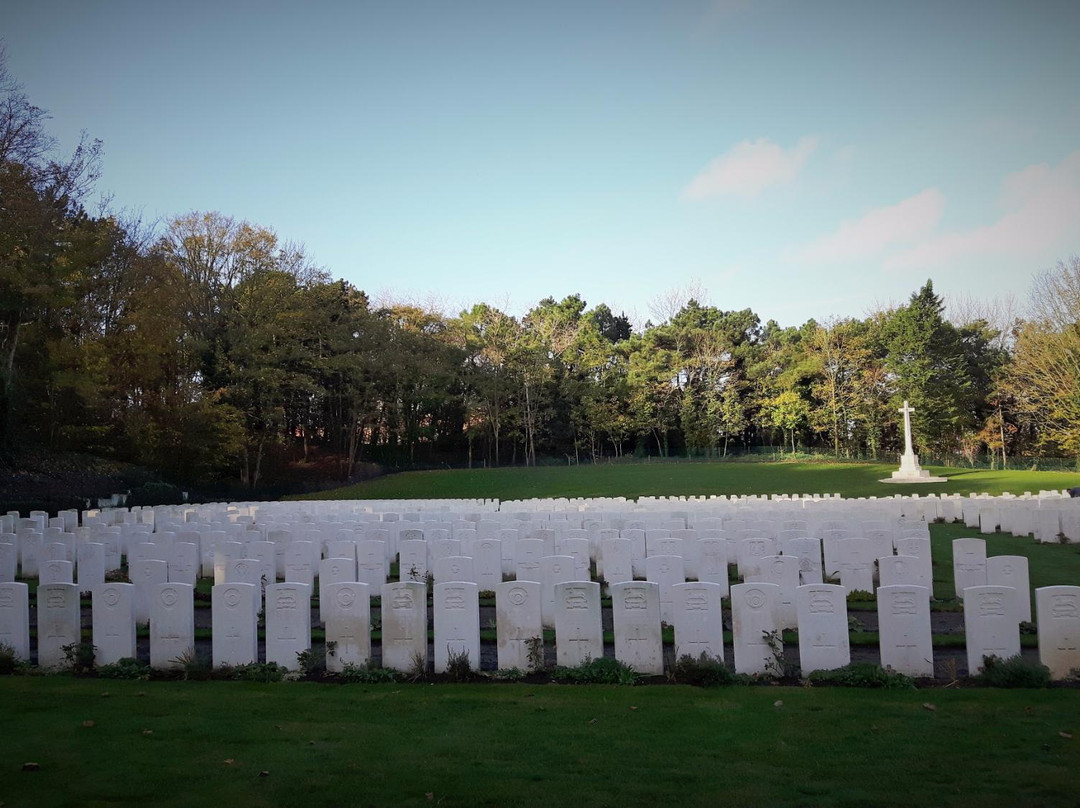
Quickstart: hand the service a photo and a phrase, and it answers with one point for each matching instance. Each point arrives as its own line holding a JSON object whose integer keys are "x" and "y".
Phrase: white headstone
{"x": 617, "y": 560}
{"x": 635, "y": 611}
{"x": 969, "y": 564}
{"x": 91, "y": 566}
{"x": 752, "y": 549}
{"x": 990, "y": 624}
{"x": 823, "y": 627}
{"x": 698, "y": 620}
{"x": 578, "y": 629}
{"x": 412, "y": 558}
{"x": 755, "y": 628}
{"x": 404, "y": 625}
{"x": 1058, "y": 612}
{"x": 9, "y": 561}
{"x": 288, "y": 623}
{"x": 553, "y": 570}
{"x": 234, "y": 611}
{"x": 904, "y": 629}
{"x": 1012, "y": 570}
{"x": 487, "y": 563}
{"x": 15, "y": 618}
{"x": 145, "y": 575}
{"x": 457, "y": 623}
{"x": 56, "y": 572}
{"x": 348, "y": 624}
{"x": 371, "y": 566}
{"x": 113, "y": 614}
{"x": 855, "y": 558}
{"x": 454, "y": 568}
{"x": 184, "y": 563}
{"x": 808, "y": 550}
{"x": 172, "y": 625}
{"x": 518, "y": 625}
{"x": 784, "y": 572}
{"x": 666, "y": 571}
{"x": 333, "y": 571}
{"x": 713, "y": 563}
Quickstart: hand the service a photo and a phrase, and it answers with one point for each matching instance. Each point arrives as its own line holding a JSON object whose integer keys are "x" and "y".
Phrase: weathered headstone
{"x": 635, "y": 610}
{"x": 1012, "y": 570}
{"x": 518, "y": 625}
{"x": 755, "y": 629}
{"x": 904, "y": 629}
{"x": 698, "y": 620}
{"x": 113, "y": 615}
{"x": 487, "y": 563}
{"x": 172, "y": 625}
{"x": 333, "y": 571}
{"x": 578, "y": 629}
{"x": 969, "y": 564}
{"x": 553, "y": 570}
{"x": 56, "y": 572}
{"x": 666, "y": 571}
{"x": 454, "y": 568}
{"x": 990, "y": 624}
{"x": 713, "y": 562}
{"x": 234, "y": 611}
{"x": 145, "y": 575}
{"x": 371, "y": 566}
{"x": 784, "y": 572}
{"x": 404, "y": 625}
{"x": 823, "y": 627}
{"x": 288, "y": 623}
{"x": 457, "y": 623}
{"x": 1058, "y": 612}
{"x": 15, "y": 618}
{"x": 348, "y": 624}
{"x": 617, "y": 560}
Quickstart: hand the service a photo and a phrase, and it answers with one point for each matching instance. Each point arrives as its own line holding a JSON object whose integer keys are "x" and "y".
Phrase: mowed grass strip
{"x": 208, "y": 743}
{"x": 688, "y": 479}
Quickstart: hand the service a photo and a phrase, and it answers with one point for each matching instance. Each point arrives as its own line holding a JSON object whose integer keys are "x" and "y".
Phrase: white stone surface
{"x": 90, "y": 571}
{"x": 412, "y": 558}
{"x": 518, "y": 623}
{"x": 172, "y": 625}
{"x": 145, "y": 575}
{"x": 990, "y": 624}
{"x": 348, "y": 624}
{"x": 969, "y": 564}
{"x": 371, "y": 564}
{"x": 808, "y": 550}
{"x": 753, "y": 616}
{"x": 666, "y": 571}
{"x": 288, "y": 622}
{"x": 636, "y": 621}
{"x": 578, "y": 629}
{"x": 921, "y": 549}
{"x": 784, "y": 572}
{"x": 617, "y": 560}
{"x": 553, "y": 570}
{"x": 713, "y": 563}
{"x": 904, "y": 629}
{"x": 234, "y": 612}
{"x": 457, "y": 623}
{"x": 823, "y": 627}
{"x": 488, "y": 563}
{"x": 1058, "y": 612}
{"x": 113, "y": 616}
{"x": 183, "y": 563}
{"x": 56, "y": 572}
{"x": 334, "y": 571}
{"x": 300, "y": 561}
{"x": 404, "y": 625}
{"x": 454, "y": 568}
{"x": 9, "y": 559}
{"x": 15, "y": 618}
{"x": 750, "y": 551}
{"x": 855, "y": 558}
{"x": 698, "y": 619}
{"x": 1012, "y": 570}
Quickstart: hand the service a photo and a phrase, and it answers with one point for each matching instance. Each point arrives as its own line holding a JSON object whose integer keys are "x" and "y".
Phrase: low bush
{"x": 125, "y": 668}
{"x": 1013, "y": 672}
{"x": 702, "y": 671}
{"x": 369, "y": 674}
{"x": 601, "y": 671}
{"x": 863, "y": 674}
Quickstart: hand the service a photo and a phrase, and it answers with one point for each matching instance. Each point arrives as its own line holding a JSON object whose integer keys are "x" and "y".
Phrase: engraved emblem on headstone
{"x": 755, "y": 598}
{"x": 822, "y": 603}
{"x": 992, "y": 604}
{"x": 904, "y": 604}
{"x": 635, "y": 600}
{"x": 403, "y": 599}
{"x": 576, "y": 599}
{"x": 232, "y": 597}
{"x": 345, "y": 598}
{"x": 1064, "y": 606}
{"x": 518, "y": 595}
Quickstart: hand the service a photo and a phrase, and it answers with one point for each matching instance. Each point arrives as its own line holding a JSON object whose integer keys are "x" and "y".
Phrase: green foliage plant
{"x": 600, "y": 671}
{"x": 705, "y": 670}
{"x": 125, "y": 668}
{"x": 863, "y": 674}
{"x": 1013, "y": 672}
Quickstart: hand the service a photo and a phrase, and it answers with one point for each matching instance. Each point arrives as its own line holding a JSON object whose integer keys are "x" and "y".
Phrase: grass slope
{"x": 690, "y": 479}
{"x": 172, "y": 744}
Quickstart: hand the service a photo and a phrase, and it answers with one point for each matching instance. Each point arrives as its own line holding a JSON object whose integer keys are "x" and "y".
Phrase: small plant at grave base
{"x": 600, "y": 671}
{"x": 860, "y": 596}
{"x": 778, "y": 667}
{"x": 265, "y": 672}
{"x": 79, "y": 657}
{"x": 535, "y": 646}
{"x": 855, "y": 625}
{"x": 125, "y": 668}
{"x": 331, "y": 648}
{"x": 9, "y": 661}
{"x": 190, "y": 666}
{"x": 312, "y": 663}
{"x": 863, "y": 674}
{"x": 1013, "y": 672}
{"x": 418, "y": 669}
{"x": 369, "y": 674}
{"x": 458, "y": 666}
{"x": 508, "y": 675}
{"x": 1028, "y": 628}
{"x": 705, "y": 670}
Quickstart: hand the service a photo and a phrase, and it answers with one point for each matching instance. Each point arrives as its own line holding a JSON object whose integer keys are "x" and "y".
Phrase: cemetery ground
{"x": 98, "y": 742}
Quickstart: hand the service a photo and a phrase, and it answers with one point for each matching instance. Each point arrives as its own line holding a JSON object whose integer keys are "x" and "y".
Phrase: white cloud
{"x": 905, "y": 221}
{"x": 1042, "y": 205}
{"x": 749, "y": 168}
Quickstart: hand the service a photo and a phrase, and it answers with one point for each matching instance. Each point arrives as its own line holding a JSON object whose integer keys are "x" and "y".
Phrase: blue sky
{"x": 801, "y": 159}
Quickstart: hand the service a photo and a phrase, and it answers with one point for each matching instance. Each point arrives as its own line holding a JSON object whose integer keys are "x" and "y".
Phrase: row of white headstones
{"x": 990, "y": 619}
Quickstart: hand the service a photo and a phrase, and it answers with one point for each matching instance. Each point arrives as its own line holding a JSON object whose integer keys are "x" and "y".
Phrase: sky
{"x": 804, "y": 160}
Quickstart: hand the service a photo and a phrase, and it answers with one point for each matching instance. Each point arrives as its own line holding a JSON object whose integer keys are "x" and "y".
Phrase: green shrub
{"x": 126, "y": 668}
{"x": 369, "y": 674}
{"x": 312, "y": 663}
{"x": 80, "y": 657}
{"x": 703, "y": 671}
{"x": 255, "y": 672}
{"x": 458, "y": 666}
{"x": 863, "y": 674}
{"x": 508, "y": 675}
{"x": 602, "y": 671}
{"x": 860, "y": 596}
{"x": 1013, "y": 672}
{"x": 9, "y": 662}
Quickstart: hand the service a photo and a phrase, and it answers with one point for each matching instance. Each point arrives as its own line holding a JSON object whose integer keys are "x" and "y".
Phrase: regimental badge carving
{"x": 518, "y": 595}
{"x": 991, "y": 604}
{"x": 755, "y": 598}
{"x": 822, "y": 603}
{"x": 1064, "y": 607}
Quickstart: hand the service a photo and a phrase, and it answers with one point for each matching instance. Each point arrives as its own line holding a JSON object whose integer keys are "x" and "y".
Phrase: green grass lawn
{"x": 689, "y": 479}
{"x": 208, "y": 743}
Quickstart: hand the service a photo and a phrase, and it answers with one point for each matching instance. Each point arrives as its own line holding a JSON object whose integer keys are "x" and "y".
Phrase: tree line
{"x": 208, "y": 348}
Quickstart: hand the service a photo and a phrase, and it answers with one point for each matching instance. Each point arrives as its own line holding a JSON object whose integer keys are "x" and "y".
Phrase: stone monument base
{"x": 911, "y": 472}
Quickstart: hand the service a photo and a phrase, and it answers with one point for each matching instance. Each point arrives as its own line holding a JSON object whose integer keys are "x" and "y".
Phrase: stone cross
{"x": 906, "y": 410}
